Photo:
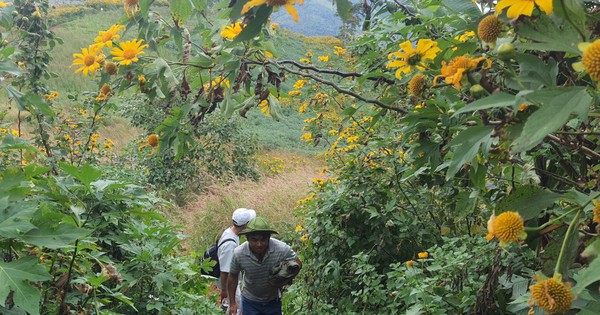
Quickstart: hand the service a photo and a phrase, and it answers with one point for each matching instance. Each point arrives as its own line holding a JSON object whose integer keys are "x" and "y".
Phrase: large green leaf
{"x": 535, "y": 72}
{"x": 344, "y": 9}
{"x": 587, "y": 276}
{"x": 181, "y": 9}
{"x": 493, "y": 101}
{"x": 15, "y": 276}
{"x": 571, "y": 10}
{"x": 255, "y": 25}
{"x": 460, "y": 6}
{"x": 54, "y": 236}
{"x": 17, "y": 96}
{"x": 556, "y": 107}
{"x": 15, "y": 218}
{"x": 546, "y": 35}
{"x": 86, "y": 174}
{"x": 467, "y": 145}
{"x": 528, "y": 201}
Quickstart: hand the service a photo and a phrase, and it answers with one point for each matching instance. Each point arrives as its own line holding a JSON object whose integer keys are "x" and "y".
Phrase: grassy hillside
{"x": 317, "y": 18}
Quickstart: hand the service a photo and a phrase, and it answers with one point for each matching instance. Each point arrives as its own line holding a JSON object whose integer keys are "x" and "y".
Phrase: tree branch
{"x": 335, "y": 72}
{"x": 583, "y": 149}
{"x": 333, "y": 85}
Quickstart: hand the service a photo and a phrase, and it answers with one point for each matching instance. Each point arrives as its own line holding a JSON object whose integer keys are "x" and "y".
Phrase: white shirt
{"x": 225, "y": 251}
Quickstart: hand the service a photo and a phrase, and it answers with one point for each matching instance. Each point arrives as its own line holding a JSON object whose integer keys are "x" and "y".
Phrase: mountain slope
{"x": 317, "y": 18}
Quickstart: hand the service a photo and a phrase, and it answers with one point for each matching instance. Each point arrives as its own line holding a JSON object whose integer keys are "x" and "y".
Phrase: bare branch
{"x": 333, "y": 85}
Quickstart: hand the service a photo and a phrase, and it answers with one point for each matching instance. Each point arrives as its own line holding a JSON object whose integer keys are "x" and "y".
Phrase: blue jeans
{"x": 250, "y": 307}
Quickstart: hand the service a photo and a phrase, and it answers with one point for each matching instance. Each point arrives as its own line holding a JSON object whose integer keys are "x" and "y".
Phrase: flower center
{"x": 129, "y": 53}
{"x": 273, "y": 3}
{"x": 131, "y": 3}
{"x": 414, "y": 59}
{"x": 89, "y": 60}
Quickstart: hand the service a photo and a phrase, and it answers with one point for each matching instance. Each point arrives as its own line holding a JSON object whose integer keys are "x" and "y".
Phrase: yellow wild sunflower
{"x": 89, "y": 60}
{"x": 287, "y": 4}
{"x": 107, "y": 37}
{"x": 423, "y": 255}
{"x": 416, "y": 85}
{"x": 523, "y": 7}
{"x": 110, "y": 68}
{"x": 596, "y": 217}
{"x": 506, "y": 227}
{"x": 591, "y": 59}
{"x": 2, "y": 4}
{"x": 453, "y": 72}
{"x": 409, "y": 58}
{"x": 128, "y": 51}
{"x": 339, "y": 50}
{"x": 153, "y": 140}
{"x": 552, "y": 295}
{"x": 489, "y": 28}
{"x": 264, "y": 107}
{"x": 231, "y": 31}
{"x": 104, "y": 93}
{"x": 131, "y": 7}
{"x": 410, "y": 263}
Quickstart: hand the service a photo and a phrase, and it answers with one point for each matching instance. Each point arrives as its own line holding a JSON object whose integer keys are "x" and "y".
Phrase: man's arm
{"x": 223, "y": 279}
{"x": 232, "y": 283}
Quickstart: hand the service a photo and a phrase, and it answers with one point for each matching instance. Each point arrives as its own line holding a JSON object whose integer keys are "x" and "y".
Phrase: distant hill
{"x": 317, "y": 18}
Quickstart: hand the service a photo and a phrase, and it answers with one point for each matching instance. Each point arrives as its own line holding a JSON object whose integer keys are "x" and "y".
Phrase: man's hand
{"x": 223, "y": 294}
{"x": 232, "y": 309}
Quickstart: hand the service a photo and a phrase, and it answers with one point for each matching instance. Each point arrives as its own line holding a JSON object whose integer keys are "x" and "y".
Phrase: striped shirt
{"x": 256, "y": 274}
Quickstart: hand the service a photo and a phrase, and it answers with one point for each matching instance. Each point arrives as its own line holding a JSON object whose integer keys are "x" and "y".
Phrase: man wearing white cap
{"x": 229, "y": 240}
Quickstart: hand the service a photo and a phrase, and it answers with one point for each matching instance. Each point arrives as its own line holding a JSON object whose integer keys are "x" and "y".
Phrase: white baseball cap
{"x": 242, "y": 216}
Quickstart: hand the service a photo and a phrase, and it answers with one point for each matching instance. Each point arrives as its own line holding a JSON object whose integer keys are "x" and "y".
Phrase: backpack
{"x": 213, "y": 253}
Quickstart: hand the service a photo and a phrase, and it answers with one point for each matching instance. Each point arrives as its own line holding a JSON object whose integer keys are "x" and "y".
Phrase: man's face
{"x": 259, "y": 243}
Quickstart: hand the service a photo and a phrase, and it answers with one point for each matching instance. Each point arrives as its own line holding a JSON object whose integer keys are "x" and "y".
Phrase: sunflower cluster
{"x": 92, "y": 58}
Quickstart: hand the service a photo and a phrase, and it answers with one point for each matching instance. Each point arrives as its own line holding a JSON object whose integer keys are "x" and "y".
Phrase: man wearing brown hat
{"x": 260, "y": 257}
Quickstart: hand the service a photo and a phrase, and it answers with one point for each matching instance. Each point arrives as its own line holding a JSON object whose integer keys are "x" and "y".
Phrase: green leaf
{"x": 529, "y": 201}
{"x": 572, "y": 10}
{"x": 255, "y": 25}
{"x": 9, "y": 66}
{"x": 586, "y": 276}
{"x": 546, "y": 35}
{"x": 535, "y": 72}
{"x": 460, "y": 6}
{"x": 15, "y": 218}
{"x": 493, "y": 101}
{"x": 557, "y": 105}
{"x": 344, "y": 9}
{"x": 86, "y": 174}
{"x": 165, "y": 73}
{"x": 349, "y": 111}
{"x": 39, "y": 104}
{"x": 181, "y": 9}
{"x": 199, "y": 5}
{"x": 15, "y": 276}
{"x": 17, "y": 96}
{"x": 467, "y": 145}
{"x": 55, "y": 236}
{"x": 201, "y": 60}
{"x": 593, "y": 250}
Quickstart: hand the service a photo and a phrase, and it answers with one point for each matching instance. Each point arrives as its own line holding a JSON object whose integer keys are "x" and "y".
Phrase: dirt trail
{"x": 273, "y": 197}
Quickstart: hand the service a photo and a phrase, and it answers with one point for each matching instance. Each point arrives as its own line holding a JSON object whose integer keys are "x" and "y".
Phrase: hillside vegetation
{"x": 443, "y": 161}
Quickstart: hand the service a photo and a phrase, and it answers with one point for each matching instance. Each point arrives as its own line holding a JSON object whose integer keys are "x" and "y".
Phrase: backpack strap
{"x": 225, "y": 241}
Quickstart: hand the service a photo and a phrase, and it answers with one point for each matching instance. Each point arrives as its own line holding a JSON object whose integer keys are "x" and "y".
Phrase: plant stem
{"x": 563, "y": 248}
